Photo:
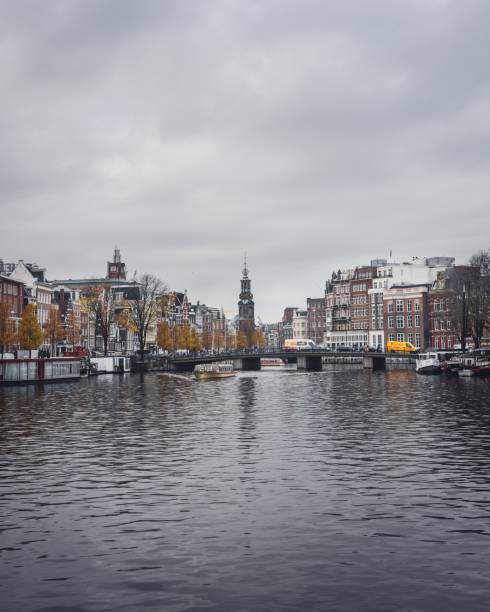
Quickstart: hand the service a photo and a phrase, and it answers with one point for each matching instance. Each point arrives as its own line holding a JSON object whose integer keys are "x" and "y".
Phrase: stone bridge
{"x": 309, "y": 360}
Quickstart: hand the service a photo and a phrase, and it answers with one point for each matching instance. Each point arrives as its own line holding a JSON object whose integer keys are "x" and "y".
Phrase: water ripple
{"x": 338, "y": 490}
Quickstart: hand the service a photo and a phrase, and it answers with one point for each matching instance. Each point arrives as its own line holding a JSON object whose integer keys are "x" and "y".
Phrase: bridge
{"x": 308, "y": 360}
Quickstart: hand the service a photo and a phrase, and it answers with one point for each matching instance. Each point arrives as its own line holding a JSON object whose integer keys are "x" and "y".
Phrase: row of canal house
{"x": 368, "y": 306}
{"x": 25, "y": 283}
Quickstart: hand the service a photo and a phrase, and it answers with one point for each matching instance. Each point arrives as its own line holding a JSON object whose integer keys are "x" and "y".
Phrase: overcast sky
{"x": 312, "y": 134}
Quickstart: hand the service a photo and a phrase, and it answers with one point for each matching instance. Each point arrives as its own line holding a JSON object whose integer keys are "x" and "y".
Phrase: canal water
{"x": 342, "y": 490}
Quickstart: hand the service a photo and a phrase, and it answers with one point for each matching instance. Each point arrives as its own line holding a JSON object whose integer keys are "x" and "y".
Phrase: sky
{"x": 314, "y": 135}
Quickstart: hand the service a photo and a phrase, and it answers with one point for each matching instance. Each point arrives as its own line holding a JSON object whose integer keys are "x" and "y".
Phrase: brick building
{"x": 12, "y": 293}
{"x": 316, "y": 315}
{"x": 360, "y": 284}
{"x": 406, "y": 315}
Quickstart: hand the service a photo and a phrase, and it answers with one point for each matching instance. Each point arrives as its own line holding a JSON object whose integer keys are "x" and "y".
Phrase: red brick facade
{"x": 406, "y": 316}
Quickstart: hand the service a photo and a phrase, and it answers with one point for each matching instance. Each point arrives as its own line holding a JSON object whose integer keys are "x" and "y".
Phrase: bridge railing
{"x": 279, "y": 352}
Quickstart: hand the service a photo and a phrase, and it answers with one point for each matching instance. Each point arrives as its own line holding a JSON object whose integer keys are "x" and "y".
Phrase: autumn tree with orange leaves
{"x": 53, "y": 330}
{"x": 30, "y": 334}
{"x": 7, "y": 328}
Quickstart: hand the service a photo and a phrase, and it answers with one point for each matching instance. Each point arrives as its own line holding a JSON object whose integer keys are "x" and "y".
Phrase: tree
{"x": 259, "y": 338}
{"x": 99, "y": 301}
{"x": 194, "y": 341}
{"x": 179, "y": 337}
{"x": 207, "y": 339}
{"x": 186, "y": 336}
{"x": 7, "y": 327}
{"x": 241, "y": 340}
{"x": 251, "y": 337}
{"x": 53, "y": 330}
{"x": 72, "y": 328}
{"x": 230, "y": 341}
{"x": 219, "y": 339}
{"x": 30, "y": 334}
{"x": 469, "y": 302}
{"x": 164, "y": 337}
{"x": 145, "y": 309}
{"x": 479, "y": 297}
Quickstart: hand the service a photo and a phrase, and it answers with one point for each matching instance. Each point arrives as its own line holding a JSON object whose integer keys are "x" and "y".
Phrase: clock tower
{"x": 116, "y": 269}
{"x": 246, "y": 306}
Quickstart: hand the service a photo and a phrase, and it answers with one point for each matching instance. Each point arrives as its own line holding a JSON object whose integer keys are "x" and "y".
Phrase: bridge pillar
{"x": 183, "y": 367}
{"x": 311, "y": 363}
{"x": 374, "y": 362}
{"x": 246, "y": 363}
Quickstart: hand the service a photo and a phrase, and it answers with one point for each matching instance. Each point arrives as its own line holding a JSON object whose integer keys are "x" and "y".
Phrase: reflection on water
{"x": 338, "y": 490}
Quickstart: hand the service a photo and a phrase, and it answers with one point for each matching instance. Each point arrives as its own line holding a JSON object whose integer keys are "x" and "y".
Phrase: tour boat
{"x": 211, "y": 371}
{"x": 428, "y": 363}
{"x": 271, "y": 362}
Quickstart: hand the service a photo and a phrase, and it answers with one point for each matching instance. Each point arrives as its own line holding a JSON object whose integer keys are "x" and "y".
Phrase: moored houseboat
{"x": 113, "y": 364}
{"x": 428, "y": 363}
{"x": 476, "y": 363}
{"x": 27, "y": 371}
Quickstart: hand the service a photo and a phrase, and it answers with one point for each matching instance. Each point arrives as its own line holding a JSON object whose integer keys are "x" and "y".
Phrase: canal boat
{"x": 271, "y": 362}
{"x": 428, "y": 363}
{"x": 476, "y": 364}
{"x": 213, "y": 371}
{"x": 112, "y": 364}
{"x": 32, "y": 371}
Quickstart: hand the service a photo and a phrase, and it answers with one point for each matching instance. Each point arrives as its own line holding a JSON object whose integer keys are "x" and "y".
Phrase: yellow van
{"x": 400, "y": 347}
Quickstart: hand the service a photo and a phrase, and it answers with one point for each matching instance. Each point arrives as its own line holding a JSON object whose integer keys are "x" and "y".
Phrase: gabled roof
{"x": 9, "y": 279}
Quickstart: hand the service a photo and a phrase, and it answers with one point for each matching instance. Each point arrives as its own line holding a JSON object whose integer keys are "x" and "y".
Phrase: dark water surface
{"x": 343, "y": 490}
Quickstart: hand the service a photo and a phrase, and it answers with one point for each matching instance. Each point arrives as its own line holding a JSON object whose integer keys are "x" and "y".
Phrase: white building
{"x": 419, "y": 271}
{"x": 300, "y": 325}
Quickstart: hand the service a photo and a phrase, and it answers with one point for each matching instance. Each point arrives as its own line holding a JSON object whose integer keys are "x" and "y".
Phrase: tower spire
{"x": 246, "y": 310}
{"x": 245, "y": 269}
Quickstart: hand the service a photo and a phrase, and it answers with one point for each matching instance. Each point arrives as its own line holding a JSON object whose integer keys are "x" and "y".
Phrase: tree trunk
{"x": 106, "y": 340}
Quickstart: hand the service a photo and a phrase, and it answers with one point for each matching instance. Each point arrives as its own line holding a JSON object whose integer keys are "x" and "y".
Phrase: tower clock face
{"x": 113, "y": 268}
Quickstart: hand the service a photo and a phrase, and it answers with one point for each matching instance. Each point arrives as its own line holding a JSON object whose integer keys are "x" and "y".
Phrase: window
{"x": 410, "y": 338}
{"x": 391, "y": 322}
{"x": 390, "y": 307}
{"x": 392, "y": 337}
{"x": 417, "y": 320}
{"x": 409, "y": 306}
{"x": 409, "y": 320}
{"x": 400, "y": 337}
{"x": 400, "y": 321}
{"x": 417, "y": 306}
{"x": 399, "y": 305}
{"x": 417, "y": 340}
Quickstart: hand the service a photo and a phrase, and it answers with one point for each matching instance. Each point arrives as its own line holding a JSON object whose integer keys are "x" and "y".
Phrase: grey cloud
{"x": 314, "y": 135}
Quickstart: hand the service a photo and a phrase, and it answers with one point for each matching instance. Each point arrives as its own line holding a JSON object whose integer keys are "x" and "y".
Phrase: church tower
{"x": 116, "y": 269}
{"x": 246, "y": 306}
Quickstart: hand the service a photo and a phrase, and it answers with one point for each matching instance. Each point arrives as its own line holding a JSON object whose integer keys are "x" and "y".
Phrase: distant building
{"x": 246, "y": 305}
{"x": 36, "y": 290}
{"x": 406, "y": 314}
{"x": 116, "y": 269}
{"x": 286, "y": 329}
{"x": 337, "y": 308}
{"x": 300, "y": 325}
{"x": 12, "y": 293}
{"x": 316, "y": 313}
